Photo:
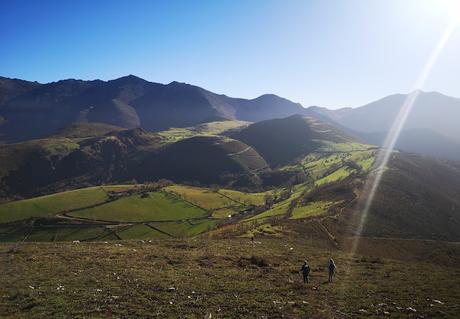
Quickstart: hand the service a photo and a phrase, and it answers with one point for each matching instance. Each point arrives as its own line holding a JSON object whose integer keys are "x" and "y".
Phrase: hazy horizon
{"x": 249, "y": 98}
{"x": 325, "y": 53}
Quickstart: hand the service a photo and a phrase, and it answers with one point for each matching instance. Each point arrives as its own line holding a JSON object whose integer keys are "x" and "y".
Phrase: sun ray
{"x": 373, "y": 181}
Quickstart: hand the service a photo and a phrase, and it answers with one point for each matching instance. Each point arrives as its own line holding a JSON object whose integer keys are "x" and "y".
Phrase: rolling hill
{"x": 91, "y": 153}
{"x": 224, "y": 153}
{"x": 417, "y": 198}
{"x": 59, "y": 162}
{"x": 309, "y": 176}
{"x": 201, "y": 159}
{"x": 283, "y": 140}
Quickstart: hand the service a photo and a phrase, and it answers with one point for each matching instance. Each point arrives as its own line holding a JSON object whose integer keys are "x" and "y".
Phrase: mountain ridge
{"x": 40, "y": 110}
{"x": 31, "y": 110}
{"x": 434, "y": 114}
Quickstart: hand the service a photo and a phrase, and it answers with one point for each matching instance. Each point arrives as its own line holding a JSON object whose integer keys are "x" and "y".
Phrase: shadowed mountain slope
{"x": 82, "y": 130}
{"x": 431, "y": 128}
{"x": 421, "y": 141}
{"x": 10, "y": 88}
{"x": 74, "y": 159}
{"x": 202, "y": 159}
{"x": 29, "y": 110}
{"x": 417, "y": 198}
{"x": 283, "y": 140}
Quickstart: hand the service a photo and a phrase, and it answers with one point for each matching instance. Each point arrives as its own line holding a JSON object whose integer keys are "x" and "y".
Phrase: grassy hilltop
{"x": 225, "y": 278}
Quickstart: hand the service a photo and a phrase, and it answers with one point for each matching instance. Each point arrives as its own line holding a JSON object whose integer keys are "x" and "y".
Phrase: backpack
{"x": 331, "y": 267}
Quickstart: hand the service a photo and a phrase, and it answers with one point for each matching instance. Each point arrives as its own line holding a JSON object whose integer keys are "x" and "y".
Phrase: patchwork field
{"x": 136, "y": 211}
{"x": 310, "y": 209}
{"x": 113, "y": 212}
{"x": 153, "y": 206}
{"x": 203, "y": 197}
{"x": 255, "y": 199}
{"x": 278, "y": 209}
{"x": 176, "y": 134}
{"x": 335, "y": 161}
{"x": 51, "y": 204}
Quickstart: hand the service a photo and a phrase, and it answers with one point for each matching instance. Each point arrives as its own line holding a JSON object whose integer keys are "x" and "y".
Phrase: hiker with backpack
{"x": 305, "y": 270}
{"x": 332, "y": 268}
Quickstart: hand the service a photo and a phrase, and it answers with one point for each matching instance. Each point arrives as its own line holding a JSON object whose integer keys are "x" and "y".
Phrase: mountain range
{"x": 73, "y": 134}
{"x": 431, "y": 127}
{"x": 30, "y": 110}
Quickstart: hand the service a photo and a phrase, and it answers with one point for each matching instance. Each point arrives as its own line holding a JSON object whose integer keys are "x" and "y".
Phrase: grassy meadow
{"x": 231, "y": 278}
{"x": 51, "y": 204}
{"x": 176, "y": 134}
{"x": 155, "y": 206}
{"x": 118, "y": 212}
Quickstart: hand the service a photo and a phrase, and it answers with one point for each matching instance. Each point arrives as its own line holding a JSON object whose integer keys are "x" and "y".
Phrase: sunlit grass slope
{"x": 51, "y": 204}
{"x": 231, "y": 278}
{"x": 154, "y": 206}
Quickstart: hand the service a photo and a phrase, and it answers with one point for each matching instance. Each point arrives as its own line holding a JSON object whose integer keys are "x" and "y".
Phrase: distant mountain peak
{"x": 271, "y": 97}
{"x": 267, "y": 96}
{"x": 179, "y": 84}
{"x": 129, "y": 79}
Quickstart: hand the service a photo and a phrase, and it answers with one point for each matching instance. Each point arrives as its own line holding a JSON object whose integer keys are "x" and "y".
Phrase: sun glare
{"x": 383, "y": 157}
{"x": 451, "y": 7}
{"x": 447, "y": 9}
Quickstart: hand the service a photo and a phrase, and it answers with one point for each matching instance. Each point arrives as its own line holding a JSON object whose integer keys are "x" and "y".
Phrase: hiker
{"x": 332, "y": 269}
{"x": 305, "y": 270}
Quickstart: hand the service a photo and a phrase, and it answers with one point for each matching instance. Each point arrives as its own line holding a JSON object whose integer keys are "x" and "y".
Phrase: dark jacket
{"x": 305, "y": 269}
{"x": 332, "y": 267}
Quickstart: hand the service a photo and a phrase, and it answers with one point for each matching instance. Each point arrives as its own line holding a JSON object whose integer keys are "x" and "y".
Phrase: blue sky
{"x": 328, "y": 53}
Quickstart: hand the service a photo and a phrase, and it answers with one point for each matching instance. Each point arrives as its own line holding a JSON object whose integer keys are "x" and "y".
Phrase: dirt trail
{"x": 81, "y": 220}
{"x": 159, "y": 230}
{"x": 240, "y": 152}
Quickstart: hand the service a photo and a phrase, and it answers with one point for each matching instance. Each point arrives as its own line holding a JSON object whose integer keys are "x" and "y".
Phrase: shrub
{"x": 253, "y": 260}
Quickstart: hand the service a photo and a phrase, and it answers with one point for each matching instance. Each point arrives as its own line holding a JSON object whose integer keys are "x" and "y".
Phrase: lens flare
{"x": 372, "y": 183}
{"x": 453, "y": 9}
{"x": 374, "y": 179}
